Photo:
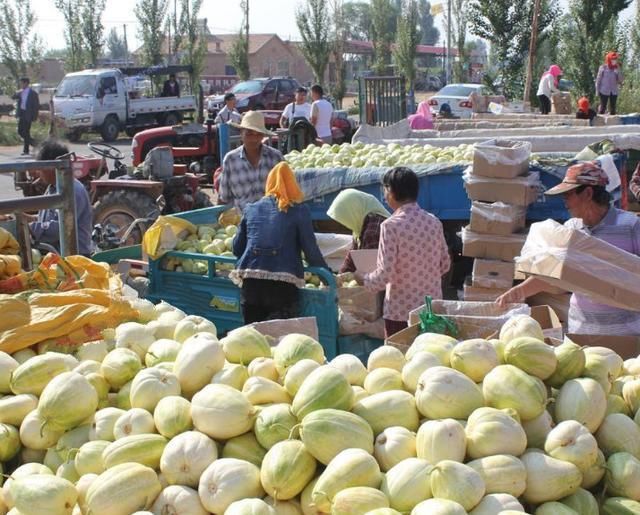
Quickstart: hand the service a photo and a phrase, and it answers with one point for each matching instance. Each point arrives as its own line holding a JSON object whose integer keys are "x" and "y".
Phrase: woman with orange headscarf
{"x": 608, "y": 82}
{"x": 273, "y": 234}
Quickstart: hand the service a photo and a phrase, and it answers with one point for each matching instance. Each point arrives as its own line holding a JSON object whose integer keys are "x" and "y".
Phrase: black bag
{"x": 301, "y": 135}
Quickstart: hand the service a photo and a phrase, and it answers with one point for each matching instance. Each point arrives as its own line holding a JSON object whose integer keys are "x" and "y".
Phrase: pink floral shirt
{"x": 412, "y": 257}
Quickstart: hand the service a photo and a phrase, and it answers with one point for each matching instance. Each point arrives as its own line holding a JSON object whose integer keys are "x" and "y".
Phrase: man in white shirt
{"x": 321, "y": 114}
{"x": 229, "y": 113}
{"x": 297, "y": 109}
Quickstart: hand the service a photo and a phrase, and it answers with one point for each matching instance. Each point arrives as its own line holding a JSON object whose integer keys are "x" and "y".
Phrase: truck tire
{"x": 119, "y": 208}
{"x": 110, "y": 129}
{"x": 171, "y": 119}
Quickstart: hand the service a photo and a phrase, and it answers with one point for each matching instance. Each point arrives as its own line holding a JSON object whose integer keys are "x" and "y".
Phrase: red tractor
{"x": 126, "y": 202}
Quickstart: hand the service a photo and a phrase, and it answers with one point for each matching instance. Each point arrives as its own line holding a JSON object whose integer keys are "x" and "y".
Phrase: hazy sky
{"x": 223, "y": 16}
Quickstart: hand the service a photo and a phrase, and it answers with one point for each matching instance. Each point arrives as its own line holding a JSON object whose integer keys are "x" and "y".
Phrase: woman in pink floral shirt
{"x": 413, "y": 254}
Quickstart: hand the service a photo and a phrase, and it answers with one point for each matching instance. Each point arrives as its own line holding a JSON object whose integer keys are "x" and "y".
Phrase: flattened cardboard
{"x": 577, "y": 262}
{"x": 501, "y": 158}
{"x": 491, "y": 246}
{"x": 521, "y": 191}
{"x": 365, "y": 260}
{"x": 489, "y": 273}
{"x": 497, "y": 218}
{"x": 279, "y": 328}
{"x": 626, "y": 346}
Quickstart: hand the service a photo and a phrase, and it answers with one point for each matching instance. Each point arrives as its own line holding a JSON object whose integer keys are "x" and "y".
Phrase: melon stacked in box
{"x": 500, "y": 187}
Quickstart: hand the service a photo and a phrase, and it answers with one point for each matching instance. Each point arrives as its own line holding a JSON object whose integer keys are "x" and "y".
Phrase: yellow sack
{"x": 59, "y": 319}
{"x": 164, "y": 234}
{"x": 57, "y": 273}
{"x": 230, "y": 217}
{"x": 8, "y": 244}
{"x": 9, "y": 266}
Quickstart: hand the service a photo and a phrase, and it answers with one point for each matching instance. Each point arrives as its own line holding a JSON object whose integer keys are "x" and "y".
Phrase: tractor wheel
{"x": 118, "y": 209}
{"x": 131, "y": 131}
{"x": 110, "y": 129}
{"x": 171, "y": 119}
{"x": 201, "y": 200}
{"x": 73, "y": 136}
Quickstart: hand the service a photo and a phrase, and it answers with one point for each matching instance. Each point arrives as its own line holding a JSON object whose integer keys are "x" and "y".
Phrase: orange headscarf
{"x": 282, "y": 184}
{"x": 583, "y": 104}
{"x": 610, "y": 57}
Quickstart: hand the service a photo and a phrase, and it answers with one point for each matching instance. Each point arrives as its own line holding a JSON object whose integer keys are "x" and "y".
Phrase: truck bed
{"x": 161, "y": 104}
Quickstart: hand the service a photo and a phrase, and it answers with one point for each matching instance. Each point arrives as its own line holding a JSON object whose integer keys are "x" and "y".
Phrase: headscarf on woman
{"x": 281, "y": 184}
{"x": 611, "y": 60}
{"x": 423, "y": 119}
{"x": 583, "y": 105}
{"x": 555, "y": 71}
{"x": 350, "y": 207}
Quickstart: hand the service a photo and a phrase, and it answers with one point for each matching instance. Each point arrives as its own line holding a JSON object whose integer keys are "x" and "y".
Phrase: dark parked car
{"x": 272, "y": 93}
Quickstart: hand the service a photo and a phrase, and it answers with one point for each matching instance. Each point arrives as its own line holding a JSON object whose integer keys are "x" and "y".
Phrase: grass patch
{"x": 9, "y": 132}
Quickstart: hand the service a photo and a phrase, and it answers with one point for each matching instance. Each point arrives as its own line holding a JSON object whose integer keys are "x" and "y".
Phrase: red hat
{"x": 587, "y": 174}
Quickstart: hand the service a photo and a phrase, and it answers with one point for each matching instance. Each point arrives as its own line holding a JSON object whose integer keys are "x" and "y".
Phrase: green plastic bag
{"x": 432, "y": 323}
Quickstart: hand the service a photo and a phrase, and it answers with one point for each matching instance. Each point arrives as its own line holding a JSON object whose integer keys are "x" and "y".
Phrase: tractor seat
{"x": 180, "y": 169}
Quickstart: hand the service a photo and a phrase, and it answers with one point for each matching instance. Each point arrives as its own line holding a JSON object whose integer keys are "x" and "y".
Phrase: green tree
{"x": 383, "y": 17}
{"x": 115, "y": 45}
{"x": 239, "y": 55}
{"x": 429, "y": 34}
{"x": 338, "y": 46}
{"x": 314, "y": 24}
{"x": 588, "y": 31}
{"x": 92, "y": 28}
{"x": 150, "y": 15}
{"x": 71, "y": 10}
{"x": 20, "y": 48}
{"x": 195, "y": 38}
{"x": 407, "y": 39}
{"x": 459, "y": 28}
{"x": 506, "y": 24}
{"x": 359, "y": 16}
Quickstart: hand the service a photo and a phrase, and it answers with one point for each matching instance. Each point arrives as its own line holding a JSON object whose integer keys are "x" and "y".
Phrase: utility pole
{"x": 126, "y": 46}
{"x": 448, "y": 76}
{"x": 532, "y": 50}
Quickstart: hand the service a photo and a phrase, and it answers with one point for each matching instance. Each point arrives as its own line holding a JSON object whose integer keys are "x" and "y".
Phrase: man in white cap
{"x": 589, "y": 203}
{"x": 245, "y": 169}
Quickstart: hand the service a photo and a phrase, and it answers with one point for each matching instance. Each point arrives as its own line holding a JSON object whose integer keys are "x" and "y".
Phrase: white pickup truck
{"x": 106, "y": 101}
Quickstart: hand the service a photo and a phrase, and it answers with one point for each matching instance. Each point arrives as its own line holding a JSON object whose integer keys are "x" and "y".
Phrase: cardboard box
{"x": 492, "y": 274}
{"x": 500, "y": 158}
{"x": 559, "y": 302}
{"x": 480, "y": 294}
{"x": 361, "y": 303}
{"x": 626, "y": 346}
{"x": 491, "y": 246}
{"x": 473, "y": 319}
{"x": 561, "y": 103}
{"x": 497, "y": 218}
{"x": 577, "y": 262}
{"x": 545, "y": 316}
{"x": 520, "y": 191}
{"x": 365, "y": 260}
{"x": 480, "y": 103}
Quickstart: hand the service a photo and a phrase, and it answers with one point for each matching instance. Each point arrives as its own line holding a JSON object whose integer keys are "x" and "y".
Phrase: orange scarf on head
{"x": 610, "y": 57}
{"x": 583, "y": 105}
{"x": 282, "y": 184}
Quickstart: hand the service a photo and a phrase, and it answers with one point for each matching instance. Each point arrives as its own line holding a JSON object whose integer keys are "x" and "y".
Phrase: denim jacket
{"x": 269, "y": 242}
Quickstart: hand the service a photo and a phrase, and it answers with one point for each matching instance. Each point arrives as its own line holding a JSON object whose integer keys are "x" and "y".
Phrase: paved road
{"x": 9, "y": 154}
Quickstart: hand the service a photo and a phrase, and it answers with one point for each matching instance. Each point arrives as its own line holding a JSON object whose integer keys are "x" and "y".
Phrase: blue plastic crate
{"x": 360, "y": 345}
{"x": 630, "y": 120}
{"x": 215, "y": 297}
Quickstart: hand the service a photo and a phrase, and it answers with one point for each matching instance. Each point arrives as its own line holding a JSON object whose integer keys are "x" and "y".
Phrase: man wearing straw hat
{"x": 245, "y": 169}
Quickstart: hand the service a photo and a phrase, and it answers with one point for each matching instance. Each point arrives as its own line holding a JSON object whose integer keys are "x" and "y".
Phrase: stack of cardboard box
{"x": 561, "y": 103}
{"x": 500, "y": 187}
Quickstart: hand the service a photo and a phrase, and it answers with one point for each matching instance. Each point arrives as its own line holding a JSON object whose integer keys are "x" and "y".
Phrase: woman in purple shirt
{"x": 607, "y": 83}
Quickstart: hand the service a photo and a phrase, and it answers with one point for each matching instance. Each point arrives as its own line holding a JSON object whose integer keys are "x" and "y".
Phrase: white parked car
{"x": 457, "y": 96}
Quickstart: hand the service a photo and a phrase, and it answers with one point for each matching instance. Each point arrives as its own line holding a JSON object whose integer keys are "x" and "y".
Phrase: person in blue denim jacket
{"x": 273, "y": 233}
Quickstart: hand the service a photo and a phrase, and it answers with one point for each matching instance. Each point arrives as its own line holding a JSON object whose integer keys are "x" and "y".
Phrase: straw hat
{"x": 253, "y": 121}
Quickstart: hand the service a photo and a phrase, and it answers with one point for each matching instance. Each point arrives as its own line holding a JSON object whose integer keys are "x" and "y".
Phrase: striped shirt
{"x": 620, "y": 229}
{"x": 240, "y": 182}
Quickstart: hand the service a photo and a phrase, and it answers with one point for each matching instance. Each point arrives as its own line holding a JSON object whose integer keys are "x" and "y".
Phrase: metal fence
{"x": 382, "y": 100}
{"x": 63, "y": 200}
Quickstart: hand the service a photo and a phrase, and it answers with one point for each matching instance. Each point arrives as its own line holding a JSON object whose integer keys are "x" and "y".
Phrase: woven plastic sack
{"x": 164, "y": 234}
